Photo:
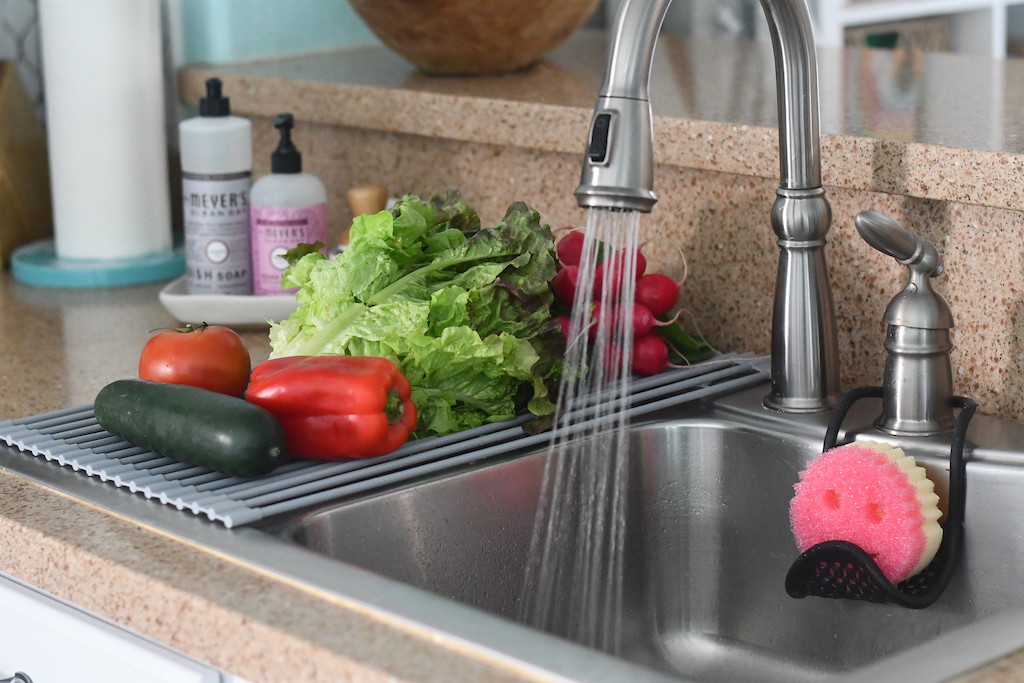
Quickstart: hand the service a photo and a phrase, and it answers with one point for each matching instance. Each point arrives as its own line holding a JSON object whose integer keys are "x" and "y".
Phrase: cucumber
{"x": 193, "y": 425}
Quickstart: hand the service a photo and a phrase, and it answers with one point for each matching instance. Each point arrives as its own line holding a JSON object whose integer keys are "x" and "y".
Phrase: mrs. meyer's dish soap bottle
{"x": 216, "y": 170}
{"x": 289, "y": 208}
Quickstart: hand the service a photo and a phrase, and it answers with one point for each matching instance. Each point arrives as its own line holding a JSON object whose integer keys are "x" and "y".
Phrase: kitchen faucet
{"x": 618, "y": 174}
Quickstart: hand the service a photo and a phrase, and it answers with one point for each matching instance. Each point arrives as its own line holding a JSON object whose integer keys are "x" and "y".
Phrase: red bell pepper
{"x": 336, "y": 407}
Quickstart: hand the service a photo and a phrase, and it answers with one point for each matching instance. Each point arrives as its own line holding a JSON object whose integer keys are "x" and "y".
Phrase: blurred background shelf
{"x": 968, "y": 26}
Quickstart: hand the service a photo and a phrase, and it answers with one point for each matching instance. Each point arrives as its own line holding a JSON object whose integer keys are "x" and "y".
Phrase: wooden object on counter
{"x": 470, "y": 36}
{"x": 25, "y": 210}
{"x": 363, "y": 200}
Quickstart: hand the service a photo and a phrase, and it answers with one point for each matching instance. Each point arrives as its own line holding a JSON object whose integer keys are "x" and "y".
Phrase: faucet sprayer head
{"x": 618, "y": 167}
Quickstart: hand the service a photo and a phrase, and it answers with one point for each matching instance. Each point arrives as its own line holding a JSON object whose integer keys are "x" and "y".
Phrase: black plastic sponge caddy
{"x": 842, "y": 570}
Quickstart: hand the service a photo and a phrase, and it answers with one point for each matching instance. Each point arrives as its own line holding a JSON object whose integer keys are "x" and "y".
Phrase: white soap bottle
{"x": 216, "y": 169}
{"x": 289, "y": 208}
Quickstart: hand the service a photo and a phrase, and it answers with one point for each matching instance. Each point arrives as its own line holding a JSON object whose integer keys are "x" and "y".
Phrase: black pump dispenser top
{"x": 214, "y": 104}
{"x": 286, "y": 158}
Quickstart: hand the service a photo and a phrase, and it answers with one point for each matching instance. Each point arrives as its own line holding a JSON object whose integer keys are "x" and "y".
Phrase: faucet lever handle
{"x": 918, "y": 383}
{"x": 889, "y": 237}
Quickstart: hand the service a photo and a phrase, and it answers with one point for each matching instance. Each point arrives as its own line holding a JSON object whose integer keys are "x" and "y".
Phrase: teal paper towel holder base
{"x": 37, "y": 263}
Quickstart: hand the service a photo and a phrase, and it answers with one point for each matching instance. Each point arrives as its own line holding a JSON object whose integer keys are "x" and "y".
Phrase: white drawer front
{"x": 55, "y": 642}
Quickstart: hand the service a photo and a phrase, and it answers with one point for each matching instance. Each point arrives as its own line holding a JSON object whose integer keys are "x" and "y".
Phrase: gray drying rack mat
{"x": 72, "y": 438}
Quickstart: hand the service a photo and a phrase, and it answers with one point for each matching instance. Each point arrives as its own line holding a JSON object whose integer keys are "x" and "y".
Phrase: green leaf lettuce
{"x": 465, "y": 311}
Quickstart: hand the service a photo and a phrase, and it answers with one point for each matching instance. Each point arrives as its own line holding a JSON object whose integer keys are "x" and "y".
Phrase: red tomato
{"x": 208, "y": 356}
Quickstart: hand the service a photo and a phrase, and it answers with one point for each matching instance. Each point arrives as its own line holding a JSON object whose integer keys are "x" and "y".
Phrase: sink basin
{"x": 708, "y": 547}
{"x": 707, "y": 537}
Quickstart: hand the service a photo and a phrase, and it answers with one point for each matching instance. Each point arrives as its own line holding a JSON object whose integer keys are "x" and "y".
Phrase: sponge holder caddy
{"x": 838, "y": 569}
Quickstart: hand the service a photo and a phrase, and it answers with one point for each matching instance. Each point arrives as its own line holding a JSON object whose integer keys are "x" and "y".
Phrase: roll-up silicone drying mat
{"x": 73, "y": 439}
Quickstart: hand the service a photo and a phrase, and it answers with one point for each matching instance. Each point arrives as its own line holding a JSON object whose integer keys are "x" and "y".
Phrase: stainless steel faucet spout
{"x": 618, "y": 173}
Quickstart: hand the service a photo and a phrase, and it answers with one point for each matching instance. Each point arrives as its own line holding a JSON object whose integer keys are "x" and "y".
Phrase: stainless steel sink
{"x": 708, "y": 548}
{"x": 707, "y": 538}
{"x": 708, "y": 543}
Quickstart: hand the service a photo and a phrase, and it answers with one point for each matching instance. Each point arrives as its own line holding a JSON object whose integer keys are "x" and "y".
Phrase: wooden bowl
{"x": 473, "y": 36}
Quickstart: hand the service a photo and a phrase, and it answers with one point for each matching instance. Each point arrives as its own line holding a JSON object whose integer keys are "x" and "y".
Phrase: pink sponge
{"x": 874, "y": 496}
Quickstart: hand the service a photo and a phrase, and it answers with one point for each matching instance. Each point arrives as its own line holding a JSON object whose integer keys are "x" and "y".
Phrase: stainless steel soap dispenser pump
{"x": 918, "y": 383}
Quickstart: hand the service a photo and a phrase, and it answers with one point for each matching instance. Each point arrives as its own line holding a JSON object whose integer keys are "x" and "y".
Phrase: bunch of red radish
{"x": 655, "y": 297}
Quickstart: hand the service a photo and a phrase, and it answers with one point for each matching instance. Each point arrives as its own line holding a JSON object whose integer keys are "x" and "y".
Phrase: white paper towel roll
{"x": 103, "y": 83}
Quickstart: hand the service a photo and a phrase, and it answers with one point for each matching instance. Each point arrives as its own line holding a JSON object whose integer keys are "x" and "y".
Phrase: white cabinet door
{"x": 55, "y": 642}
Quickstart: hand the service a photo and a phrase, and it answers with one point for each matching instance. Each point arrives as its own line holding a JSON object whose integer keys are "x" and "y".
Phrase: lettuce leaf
{"x": 465, "y": 311}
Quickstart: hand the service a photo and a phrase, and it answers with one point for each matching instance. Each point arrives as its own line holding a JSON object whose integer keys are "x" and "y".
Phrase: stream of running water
{"x": 574, "y": 576}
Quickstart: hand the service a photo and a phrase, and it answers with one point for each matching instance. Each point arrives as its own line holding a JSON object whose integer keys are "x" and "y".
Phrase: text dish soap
{"x": 289, "y": 208}
{"x": 216, "y": 170}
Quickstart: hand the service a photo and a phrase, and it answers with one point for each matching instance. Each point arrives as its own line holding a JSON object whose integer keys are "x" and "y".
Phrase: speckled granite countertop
{"x": 893, "y": 126}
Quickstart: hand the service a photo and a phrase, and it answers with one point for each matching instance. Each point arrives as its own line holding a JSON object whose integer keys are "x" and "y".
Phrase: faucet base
{"x": 799, "y": 406}
{"x": 805, "y": 347}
